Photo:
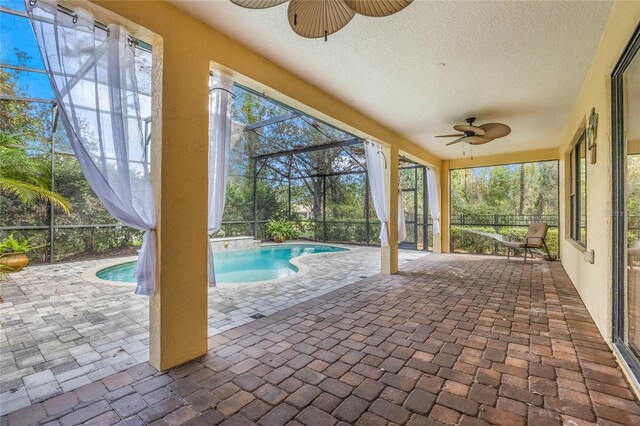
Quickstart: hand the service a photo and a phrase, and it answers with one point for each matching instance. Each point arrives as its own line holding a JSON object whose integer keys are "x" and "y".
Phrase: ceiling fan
{"x": 477, "y": 135}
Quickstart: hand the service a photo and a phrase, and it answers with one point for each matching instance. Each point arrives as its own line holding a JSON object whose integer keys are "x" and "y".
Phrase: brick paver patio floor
{"x": 452, "y": 339}
{"x": 59, "y": 332}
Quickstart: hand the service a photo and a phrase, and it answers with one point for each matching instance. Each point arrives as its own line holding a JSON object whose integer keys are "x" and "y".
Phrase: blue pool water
{"x": 264, "y": 263}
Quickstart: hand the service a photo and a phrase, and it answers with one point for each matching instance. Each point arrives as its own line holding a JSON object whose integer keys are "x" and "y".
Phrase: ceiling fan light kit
{"x": 477, "y": 135}
{"x": 321, "y": 18}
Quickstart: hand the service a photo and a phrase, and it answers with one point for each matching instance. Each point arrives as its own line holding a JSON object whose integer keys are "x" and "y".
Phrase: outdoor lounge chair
{"x": 534, "y": 239}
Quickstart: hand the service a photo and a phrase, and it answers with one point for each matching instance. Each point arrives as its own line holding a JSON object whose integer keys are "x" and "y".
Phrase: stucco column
{"x": 445, "y": 225}
{"x": 178, "y": 309}
{"x": 437, "y": 239}
{"x": 389, "y": 264}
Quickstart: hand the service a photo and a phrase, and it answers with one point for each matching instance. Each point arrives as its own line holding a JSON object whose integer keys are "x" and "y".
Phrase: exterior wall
{"x": 594, "y": 281}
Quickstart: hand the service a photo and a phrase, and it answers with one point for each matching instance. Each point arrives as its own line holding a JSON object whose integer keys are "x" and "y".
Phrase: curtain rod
{"x": 97, "y": 24}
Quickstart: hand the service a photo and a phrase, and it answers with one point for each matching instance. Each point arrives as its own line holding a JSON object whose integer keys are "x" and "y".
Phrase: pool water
{"x": 264, "y": 263}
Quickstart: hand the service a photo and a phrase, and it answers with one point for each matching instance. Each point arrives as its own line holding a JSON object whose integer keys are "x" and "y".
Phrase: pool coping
{"x": 90, "y": 275}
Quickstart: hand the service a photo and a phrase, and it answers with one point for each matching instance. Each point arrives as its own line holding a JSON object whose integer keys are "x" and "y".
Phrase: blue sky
{"x": 16, "y": 33}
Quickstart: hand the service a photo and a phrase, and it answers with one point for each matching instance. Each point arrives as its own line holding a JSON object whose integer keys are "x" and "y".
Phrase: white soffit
{"x": 521, "y": 63}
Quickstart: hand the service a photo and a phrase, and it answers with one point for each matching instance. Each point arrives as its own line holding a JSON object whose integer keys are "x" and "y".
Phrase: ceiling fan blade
{"x": 305, "y": 17}
{"x": 457, "y": 135}
{"x": 465, "y": 128}
{"x": 257, "y": 4}
{"x": 377, "y": 7}
{"x": 495, "y": 130}
{"x": 477, "y": 140}
{"x": 456, "y": 141}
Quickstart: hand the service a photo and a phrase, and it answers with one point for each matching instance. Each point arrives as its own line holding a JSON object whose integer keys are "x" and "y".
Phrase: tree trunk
{"x": 317, "y": 198}
{"x": 521, "y": 208}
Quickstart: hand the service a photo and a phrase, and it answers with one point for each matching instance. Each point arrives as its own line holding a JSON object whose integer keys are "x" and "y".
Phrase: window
{"x": 578, "y": 191}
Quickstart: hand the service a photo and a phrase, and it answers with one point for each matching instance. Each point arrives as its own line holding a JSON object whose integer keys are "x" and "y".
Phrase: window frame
{"x": 576, "y": 203}
{"x": 618, "y": 171}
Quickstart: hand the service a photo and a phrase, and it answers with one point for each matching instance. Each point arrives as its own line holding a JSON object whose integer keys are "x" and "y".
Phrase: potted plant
{"x": 13, "y": 253}
{"x": 280, "y": 230}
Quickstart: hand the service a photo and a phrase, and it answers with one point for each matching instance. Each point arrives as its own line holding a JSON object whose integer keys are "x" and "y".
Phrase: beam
{"x": 25, "y": 99}
{"x": 17, "y": 68}
{"x": 354, "y": 158}
{"x": 317, "y": 175}
{"x": 273, "y": 120}
{"x": 338, "y": 144}
{"x": 504, "y": 159}
{"x": 348, "y": 172}
{"x": 260, "y": 135}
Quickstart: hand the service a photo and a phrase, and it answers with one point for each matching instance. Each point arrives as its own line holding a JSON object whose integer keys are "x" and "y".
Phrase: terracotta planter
{"x": 278, "y": 240}
{"x": 14, "y": 261}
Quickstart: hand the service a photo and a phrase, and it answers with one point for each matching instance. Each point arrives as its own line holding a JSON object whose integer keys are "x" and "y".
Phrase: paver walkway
{"x": 59, "y": 332}
{"x": 452, "y": 339}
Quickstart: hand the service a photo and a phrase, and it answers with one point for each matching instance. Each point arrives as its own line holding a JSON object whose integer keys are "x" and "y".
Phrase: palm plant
{"x": 24, "y": 176}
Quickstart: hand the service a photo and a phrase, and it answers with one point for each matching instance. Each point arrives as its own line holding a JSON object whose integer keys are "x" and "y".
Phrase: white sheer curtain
{"x": 402, "y": 223}
{"x": 375, "y": 170}
{"x": 434, "y": 199}
{"x": 93, "y": 77}
{"x": 221, "y": 132}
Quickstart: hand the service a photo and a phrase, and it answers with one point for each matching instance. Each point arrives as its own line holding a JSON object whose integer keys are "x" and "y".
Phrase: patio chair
{"x": 534, "y": 239}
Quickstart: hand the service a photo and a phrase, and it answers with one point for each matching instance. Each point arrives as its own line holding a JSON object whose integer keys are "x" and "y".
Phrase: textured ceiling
{"x": 520, "y": 63}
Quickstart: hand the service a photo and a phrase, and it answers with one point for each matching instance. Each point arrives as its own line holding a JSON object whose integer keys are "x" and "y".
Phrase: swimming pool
{"x": 240, "y": 266}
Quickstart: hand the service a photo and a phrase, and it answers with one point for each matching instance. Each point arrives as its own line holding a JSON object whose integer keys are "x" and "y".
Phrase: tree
{"x": 522, "y": 189}
{"x": 24, "y": 171}
{"x": 283, "y": 136}
{"x": 25, "y": 175}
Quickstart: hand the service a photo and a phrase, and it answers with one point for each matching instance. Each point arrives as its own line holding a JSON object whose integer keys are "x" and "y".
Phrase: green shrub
{"x": 303, "y": 229}
{"x": 280, "y": 230}
{"x": 12, "y": 245}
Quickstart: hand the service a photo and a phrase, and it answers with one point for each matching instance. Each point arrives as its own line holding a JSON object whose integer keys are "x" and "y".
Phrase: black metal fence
{"x": 464, "y": 238}
{"x": 358, "y": 232}
{"x": 332, "y": 231}
{"x": 76, "y": 242}
{"x": 69, "y": 242}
